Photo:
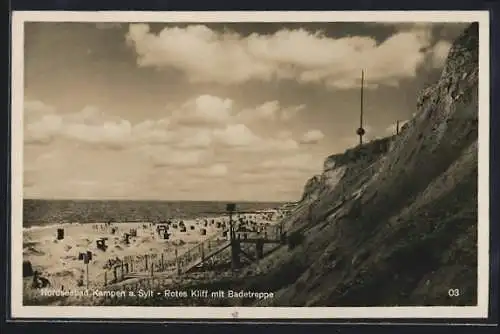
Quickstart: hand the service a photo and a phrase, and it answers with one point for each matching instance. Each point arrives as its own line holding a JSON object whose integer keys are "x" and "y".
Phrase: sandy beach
{"x": 58, "y": 260}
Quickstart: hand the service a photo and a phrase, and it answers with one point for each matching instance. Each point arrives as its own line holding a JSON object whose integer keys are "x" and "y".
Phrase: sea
{"x": 38, "y": 212}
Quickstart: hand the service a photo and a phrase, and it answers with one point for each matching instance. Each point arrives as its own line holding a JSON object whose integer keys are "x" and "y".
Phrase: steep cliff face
{"x": 312, "y": 187}
{"x": 343, "y": 176}
{"x": 393, "y": 222}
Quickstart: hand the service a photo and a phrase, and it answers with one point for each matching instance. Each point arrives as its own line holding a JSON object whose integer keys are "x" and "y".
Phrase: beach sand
{"x": 58, "y": 260}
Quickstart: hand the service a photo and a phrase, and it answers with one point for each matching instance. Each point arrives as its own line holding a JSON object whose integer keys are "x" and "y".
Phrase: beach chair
{"x": 27, "y": 269}
{"x": 101, "y": 244}
{"x": 60, "y": 234}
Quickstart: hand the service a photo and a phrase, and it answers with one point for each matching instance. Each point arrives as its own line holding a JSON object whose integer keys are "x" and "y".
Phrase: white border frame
{"x": 46, "y": 312}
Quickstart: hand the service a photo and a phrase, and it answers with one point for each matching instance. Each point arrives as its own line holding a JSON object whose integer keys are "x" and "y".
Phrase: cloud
{"x": 152, "y": 132}
{"x": 112, "y": 134}
{"x": 39, "y": 120}
{"x": 439, "y": 53}
{"x": 205, "y": 55}
{"x": 189, "y": 139}
{"x": 269, "y": 111}
{"x": 281, "y": 144}
{"x": 266, "y": 111}
{"x": 274, "y": 177}
{"x": 92, "y": 126}
{"x": 290, "y": 112}
{"x": 312, "y": 137}
{"x": 168, "y": 157}
{"x": 236, "y": 135}
{"x": 217, "y": 170}
{"x": 239, "y": 136}
{"x": 299, "y": 162}
{"x": 284, "y": 134}
{"x": 53, "y": 170}
{"x": 43, "y": 130}
{"x": 205, "y": 109}
{"x": 37, "y": 108}
{"x": 204, "y": 122}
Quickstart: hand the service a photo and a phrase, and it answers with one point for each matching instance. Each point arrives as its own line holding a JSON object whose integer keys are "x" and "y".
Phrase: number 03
{"x": 454, "y": 292}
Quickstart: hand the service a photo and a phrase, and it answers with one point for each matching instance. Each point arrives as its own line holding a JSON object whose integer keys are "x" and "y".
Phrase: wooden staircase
{"x": 207, "y": 252}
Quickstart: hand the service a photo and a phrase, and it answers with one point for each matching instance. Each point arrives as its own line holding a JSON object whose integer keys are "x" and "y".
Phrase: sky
{"x": 218, "y": 111}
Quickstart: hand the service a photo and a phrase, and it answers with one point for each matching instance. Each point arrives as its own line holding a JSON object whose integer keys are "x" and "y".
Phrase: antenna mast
{"x": 361, "y": 131}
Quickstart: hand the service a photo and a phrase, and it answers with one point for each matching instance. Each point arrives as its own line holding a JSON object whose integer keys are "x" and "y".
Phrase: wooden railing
{"x": 173, "y": 262}
{"x": 272, "y": 233}
{"x": 199, "y": 253}
{"x": 170, "y": 262}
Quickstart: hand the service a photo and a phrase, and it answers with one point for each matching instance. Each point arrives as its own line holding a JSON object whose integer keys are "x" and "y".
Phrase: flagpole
{"x": 361, "y": 131}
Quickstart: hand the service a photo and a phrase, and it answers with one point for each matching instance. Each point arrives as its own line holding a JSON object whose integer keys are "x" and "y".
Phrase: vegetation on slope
{"x": 392, "y": 222}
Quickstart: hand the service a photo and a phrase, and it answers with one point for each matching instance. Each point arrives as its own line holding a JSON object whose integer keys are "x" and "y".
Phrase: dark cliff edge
{"x": 392, "y": 222}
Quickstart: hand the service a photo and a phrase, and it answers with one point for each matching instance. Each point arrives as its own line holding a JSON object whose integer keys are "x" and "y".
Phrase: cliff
{"x": 394, "y": 221}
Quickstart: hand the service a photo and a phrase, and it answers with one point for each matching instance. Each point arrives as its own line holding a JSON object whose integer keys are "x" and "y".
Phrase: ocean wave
{"x": 50, "y": 226}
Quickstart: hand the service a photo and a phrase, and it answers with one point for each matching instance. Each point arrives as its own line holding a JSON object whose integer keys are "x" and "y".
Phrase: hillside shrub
{"x": 295, "y": 239}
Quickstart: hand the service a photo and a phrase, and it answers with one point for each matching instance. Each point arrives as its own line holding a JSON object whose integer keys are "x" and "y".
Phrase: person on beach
{"x": 80, "y": 281}
{"x": 39, "y": 281}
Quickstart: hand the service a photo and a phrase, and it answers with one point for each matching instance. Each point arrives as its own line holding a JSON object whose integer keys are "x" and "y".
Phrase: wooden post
{"x": 131, "y": 264}
{"x": 105, "y": 278}
{"x": 259, "y": 248}
{"x": 162, "y": 265}
{"x": 235, "y": 254}
{"x": 152, "y": 269}
{"x": 115, "y": 274}
{"x": 146, "y": 261}
{"x": 177, "y": 262}
{"x": 202, "y": 253}
{"x": 123, "y": 270}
